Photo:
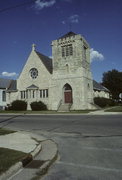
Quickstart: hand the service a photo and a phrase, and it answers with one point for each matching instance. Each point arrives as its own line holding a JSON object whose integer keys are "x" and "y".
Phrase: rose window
{"x": 34, "y": 73}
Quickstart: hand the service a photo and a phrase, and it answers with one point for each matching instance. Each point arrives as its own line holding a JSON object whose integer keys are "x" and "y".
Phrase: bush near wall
{"x": 103, "y": 102}
{"x": 17, "y": 105}
{"x": 38, "y": 106}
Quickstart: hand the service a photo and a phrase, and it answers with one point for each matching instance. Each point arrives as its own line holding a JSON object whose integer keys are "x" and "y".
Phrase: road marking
{"x": 89, "y": 167}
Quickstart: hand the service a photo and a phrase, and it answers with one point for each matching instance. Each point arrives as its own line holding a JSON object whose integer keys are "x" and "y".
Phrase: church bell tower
{"x": 71, "y": 68}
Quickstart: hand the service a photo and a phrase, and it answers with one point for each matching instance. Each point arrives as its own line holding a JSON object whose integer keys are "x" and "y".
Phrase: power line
{"x": 16, "y": 6}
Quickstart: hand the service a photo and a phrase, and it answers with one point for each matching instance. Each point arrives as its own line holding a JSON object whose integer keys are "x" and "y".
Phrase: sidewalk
{"x": 102, "y": 112}
{"x": 37, "y": 147}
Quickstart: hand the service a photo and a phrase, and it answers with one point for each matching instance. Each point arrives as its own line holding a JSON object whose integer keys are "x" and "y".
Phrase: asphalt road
{"x": 90, "y": 146}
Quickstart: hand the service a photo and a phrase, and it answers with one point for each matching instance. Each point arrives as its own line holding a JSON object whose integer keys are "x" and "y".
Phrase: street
{"x": 90, "y": 146}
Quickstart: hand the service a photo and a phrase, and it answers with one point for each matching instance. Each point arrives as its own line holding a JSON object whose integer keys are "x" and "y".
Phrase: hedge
{"x": 38, "y": 106}
{"x": 17, "y": 105}
{"x": 103, "y": 102}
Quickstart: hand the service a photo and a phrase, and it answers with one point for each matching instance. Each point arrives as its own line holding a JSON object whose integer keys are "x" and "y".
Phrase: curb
{"x": 44, "y": 168}
{"x": 13, "y": 169}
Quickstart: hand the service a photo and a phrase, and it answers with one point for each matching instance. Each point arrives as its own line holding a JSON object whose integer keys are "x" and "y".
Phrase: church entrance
{"x": 67, "y": 93}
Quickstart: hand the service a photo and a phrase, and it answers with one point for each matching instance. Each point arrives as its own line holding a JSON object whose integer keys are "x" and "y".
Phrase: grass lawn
{"x": 115, "y": 109}
{"x": 45, "y": 112}
{"x": 5, "y": 131}
{"x": 8, "y": 158}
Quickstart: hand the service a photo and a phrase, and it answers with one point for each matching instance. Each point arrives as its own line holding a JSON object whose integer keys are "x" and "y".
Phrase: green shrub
{"x": 38, "y": 106}
{"x": 103, "y": 102}
{"x": 100, "y": 101}
{"x": 111, "y": 102}
{"x": 18, "y": 105}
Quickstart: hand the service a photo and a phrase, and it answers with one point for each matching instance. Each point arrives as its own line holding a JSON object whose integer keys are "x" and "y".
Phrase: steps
{"x": 64, "y": 107}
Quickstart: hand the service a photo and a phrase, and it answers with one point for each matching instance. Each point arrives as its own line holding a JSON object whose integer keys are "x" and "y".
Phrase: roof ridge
{"x": 69, "y": 34}
{"x": 43, "y": 55}
{"x": 46, "y": 61}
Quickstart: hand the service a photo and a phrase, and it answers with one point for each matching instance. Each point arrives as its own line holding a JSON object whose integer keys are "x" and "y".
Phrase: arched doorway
{"x": 67, "y": 93}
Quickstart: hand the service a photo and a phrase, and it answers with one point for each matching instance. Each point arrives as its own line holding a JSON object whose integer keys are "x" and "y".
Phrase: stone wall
{"x": 74, "y": 70}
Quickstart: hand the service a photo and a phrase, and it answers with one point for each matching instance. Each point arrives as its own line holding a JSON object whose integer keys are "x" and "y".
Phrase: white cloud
{"x": 7, "y": 74}
{"x": 40, "y": 4}
{"x": 50, "y": 57}
{"x": 95, "y": 55}
{"x": 74, "y": 18}
{"x": 63, "y": 22}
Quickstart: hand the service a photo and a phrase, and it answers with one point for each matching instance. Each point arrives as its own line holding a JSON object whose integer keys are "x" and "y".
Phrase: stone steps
{"x": 64, "y": 108}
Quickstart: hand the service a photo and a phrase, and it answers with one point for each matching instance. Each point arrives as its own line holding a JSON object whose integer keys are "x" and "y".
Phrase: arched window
{"x": 67, "y": 87}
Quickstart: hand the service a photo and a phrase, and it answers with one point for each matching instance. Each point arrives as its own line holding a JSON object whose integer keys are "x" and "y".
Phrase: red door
{"x": 68, "y": 97}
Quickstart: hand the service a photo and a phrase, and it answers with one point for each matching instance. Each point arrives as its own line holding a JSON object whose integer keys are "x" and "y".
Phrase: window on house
{"x": 70, "y": 49}
{"x": 44, "y": 93}
{"x": 67, "y": 50}
{"x": 23, "y": 94}
{"x": 41, "y": 94}
{"x": 3, "y": 96}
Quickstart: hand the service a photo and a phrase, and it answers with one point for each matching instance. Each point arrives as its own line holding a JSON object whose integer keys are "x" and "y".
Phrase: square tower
{"x": 71, "y": 79}
{"x": 70, "y": 51}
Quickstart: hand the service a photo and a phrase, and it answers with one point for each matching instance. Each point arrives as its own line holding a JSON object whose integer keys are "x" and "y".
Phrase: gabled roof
{"x": 46, "y": 61}
{"x": 13, "y": 86}
{"x": 98, "y": 86}
{"x": 4, "y": 83}
{"x": 8, "y": 84}
{"x": 32, "y": 87}
{"x": 69, "y": 34}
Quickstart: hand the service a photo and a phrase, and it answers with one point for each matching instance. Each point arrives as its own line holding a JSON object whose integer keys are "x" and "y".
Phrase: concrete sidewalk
{"x": 102, "y": 112}
{"x": 33, "y": 145}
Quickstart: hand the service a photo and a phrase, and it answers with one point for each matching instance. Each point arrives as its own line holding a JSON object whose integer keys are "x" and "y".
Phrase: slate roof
{"x": 13, "y": 86}
{"x": 69, "y": 34}
{"x": 46, "y": 61}
{"x": 4, "y": 83}
{"x": 98, "y": 86}
{"x": 32, "y": 87}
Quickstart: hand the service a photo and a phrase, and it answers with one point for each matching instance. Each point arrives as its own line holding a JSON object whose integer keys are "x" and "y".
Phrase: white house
{"x": 5, "y": 84}
{"x": 100, "y": 91}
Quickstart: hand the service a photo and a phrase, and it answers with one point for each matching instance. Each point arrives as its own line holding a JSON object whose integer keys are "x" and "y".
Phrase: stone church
{"x": 63, "y": 82}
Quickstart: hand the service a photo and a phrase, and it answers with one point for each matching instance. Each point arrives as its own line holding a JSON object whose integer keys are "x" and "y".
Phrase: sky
{"x": 24, "y": 22}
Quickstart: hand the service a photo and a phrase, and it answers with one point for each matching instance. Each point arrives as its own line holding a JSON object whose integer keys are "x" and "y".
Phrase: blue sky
{"x": 41, "y": 21}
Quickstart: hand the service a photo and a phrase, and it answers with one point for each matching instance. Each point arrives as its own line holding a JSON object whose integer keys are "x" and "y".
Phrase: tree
{"x": 113, "y": 81}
